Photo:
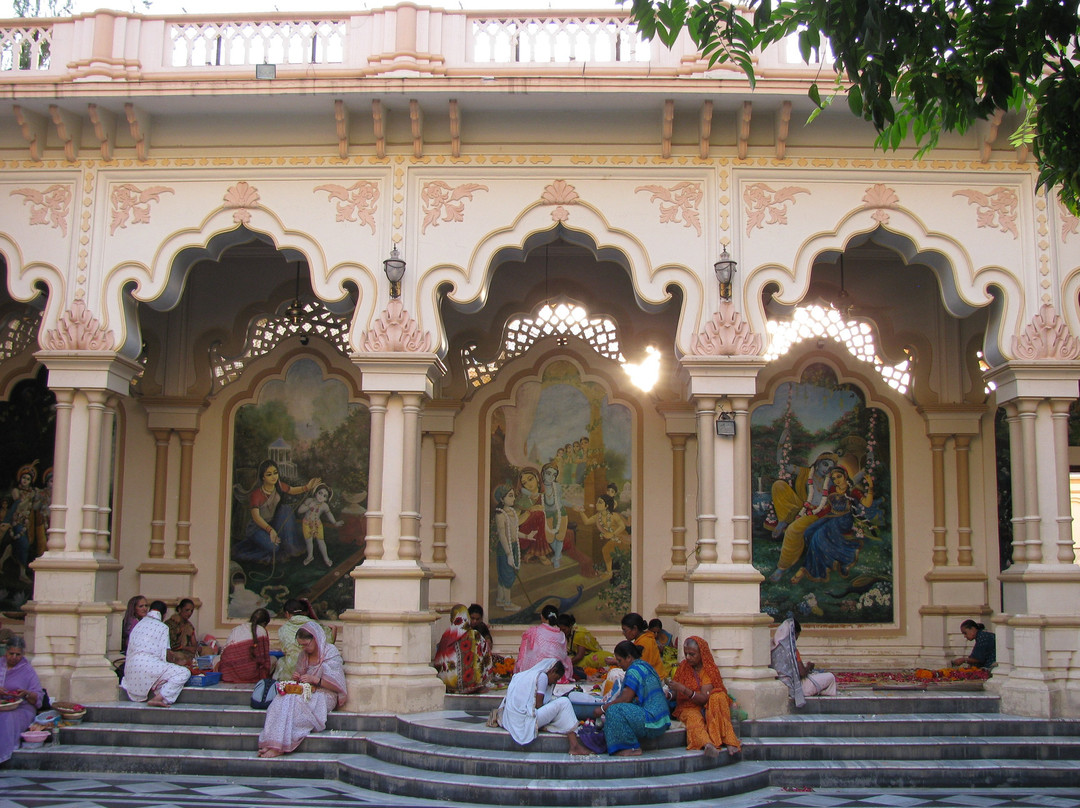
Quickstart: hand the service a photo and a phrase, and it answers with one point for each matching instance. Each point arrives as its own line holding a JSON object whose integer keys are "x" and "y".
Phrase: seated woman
{"x": 300, "y": 613}
{"x": 246, "y": 656}
{"x": 293, "y": 716}
{"x": 702, "y": 702}
{"x": 636, "y": 630}
{"x": 530, "y": 706}
{"x": 664, "y": 639}
{"x": 183, "y": 645}
{"x": 146, "y": 670}
{"x": 137, "y": 607}
{"x": 17, "y": 676}
{"x": 801, "y": 678}
{"x": 984, "y": 652}
{"x": 640, "y": 710}
{"x": 585, "y": 651}
{"x": 462, "y": 657}
{"x": 544, "y": 641}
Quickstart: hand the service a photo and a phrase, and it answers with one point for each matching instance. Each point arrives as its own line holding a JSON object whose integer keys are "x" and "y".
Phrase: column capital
{"x": 720, "y": 376}
{"x": 1040, "y": 379}
{"x": 952, "y": 419}
{"x": 89, "y": 370}
{"x": 439, "y": 415}
{"x": 391, "y": 372}
{"x": 173, "y": 412}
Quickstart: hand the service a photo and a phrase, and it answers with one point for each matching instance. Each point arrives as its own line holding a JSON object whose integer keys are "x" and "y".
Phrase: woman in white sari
{"x": 529, "y": 706}
{"x": 293, "y": 716}
{"x": 145, "y": 668}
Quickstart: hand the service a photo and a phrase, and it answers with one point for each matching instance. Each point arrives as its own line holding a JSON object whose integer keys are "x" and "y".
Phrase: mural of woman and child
{"x": 291, "y": 535}
{"x": 560, "y": 524}
{"x": 822, "y": 524}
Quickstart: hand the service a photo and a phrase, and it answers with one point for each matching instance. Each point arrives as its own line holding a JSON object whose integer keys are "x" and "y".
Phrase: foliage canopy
{"x": 914, "y": 69}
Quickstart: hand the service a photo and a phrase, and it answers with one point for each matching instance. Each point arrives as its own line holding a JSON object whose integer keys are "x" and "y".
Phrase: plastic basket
{"x": 204, "y": 662}
{"x": 204, "y": 679}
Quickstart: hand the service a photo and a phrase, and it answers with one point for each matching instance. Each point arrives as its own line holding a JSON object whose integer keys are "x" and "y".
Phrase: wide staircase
{"x": 862, "y": 738}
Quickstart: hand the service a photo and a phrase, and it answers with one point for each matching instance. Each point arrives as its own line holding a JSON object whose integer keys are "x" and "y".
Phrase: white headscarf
{"x": 518, "y": 713}
{"x": 330, "y": 666}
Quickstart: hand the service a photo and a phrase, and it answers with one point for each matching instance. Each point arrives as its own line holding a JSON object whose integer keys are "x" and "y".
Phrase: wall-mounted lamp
{"x": 394, "y": 267}
{"x": 725, "y": 425}
{"x": 725, "y": 270}
{"x": 266, "y": 71}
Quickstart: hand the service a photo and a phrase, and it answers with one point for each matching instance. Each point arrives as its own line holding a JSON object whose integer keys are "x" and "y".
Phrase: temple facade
{"x": 406, "y": 308}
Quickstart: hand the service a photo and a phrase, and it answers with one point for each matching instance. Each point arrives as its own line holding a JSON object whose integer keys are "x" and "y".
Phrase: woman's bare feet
{"x": 629, "y": 752}
{"x": 157, "y": 701}
{"x": 576, "y": 746}
{"x": 711, "y": 751}
{"x": 732, "y": 749}
{"x": 269, "y": 753}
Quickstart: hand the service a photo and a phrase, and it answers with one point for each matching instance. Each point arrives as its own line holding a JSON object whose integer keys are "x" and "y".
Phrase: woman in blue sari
{"x": 640, "y": 710}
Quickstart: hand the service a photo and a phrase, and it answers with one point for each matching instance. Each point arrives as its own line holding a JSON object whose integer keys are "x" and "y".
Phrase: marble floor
{"x": 22, "y": 789}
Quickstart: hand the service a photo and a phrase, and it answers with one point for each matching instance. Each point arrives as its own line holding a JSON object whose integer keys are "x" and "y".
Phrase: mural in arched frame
{"x": 560, "y": 521}
{"x": 822, "y": 502}
{"x": 299, "y": 485}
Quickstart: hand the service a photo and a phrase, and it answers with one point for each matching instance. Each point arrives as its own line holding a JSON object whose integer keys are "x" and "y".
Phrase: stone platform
{"x": 861, "y": 739}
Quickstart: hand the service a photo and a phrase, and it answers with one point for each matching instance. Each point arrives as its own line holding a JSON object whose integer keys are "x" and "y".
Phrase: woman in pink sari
{"x": 545, "y": 641}
{"x": 17, "y": 677}
{"x": 293, "y": 716}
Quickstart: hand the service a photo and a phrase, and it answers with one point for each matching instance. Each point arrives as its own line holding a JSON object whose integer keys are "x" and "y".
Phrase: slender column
{"x": 706, "y": 417}
{"x": 95, "y": 405}
{"x": 1019, "y": 488}
{"x": 377, "y": 408}
{"x": 161, "y": 475}
{"x": 105, "y": 476}
{"x": 1059, "y": 412}
{"x": 740, "y": 550}
{"x": 409, "y": 548}
{"x": 1027, "y": 408}
{"x": 55, "y": 542}
{"x": 962, "y": 444}
{"x": 183, "y": 515}
{"x": 438, "y": 550}
{"x": 937, "y": 447}
{"x": 678, "y": 500}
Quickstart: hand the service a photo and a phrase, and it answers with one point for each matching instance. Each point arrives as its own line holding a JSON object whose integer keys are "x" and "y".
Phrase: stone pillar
{"x": 386, "y": 641}
{"x": 1038, "y": 632}
{"x": 956, "y": 591}
{"x": 438, "y": 425}
{"x": 680, "y": 424}
{"x": 724, "y": 588}
{"x": 170, "y": 575}
{"x": 75, "y": 582}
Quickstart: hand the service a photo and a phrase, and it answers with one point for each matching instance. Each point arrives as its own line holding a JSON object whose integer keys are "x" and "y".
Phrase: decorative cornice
{"x": 1047, "y": 336}
{"x": 355, "y": 203}
{"x": 678, "y": 203}
{"x": 49, "y": 206}
{"x": 440, "y": 201}
{"x": 996, "y": 209}
{"x": 396, "y": 331}
{"x": 128, "y": 202}
{"x": 727, "y": 334}
{"x": 78, "y": 330}
{"x": 241, "y": 198}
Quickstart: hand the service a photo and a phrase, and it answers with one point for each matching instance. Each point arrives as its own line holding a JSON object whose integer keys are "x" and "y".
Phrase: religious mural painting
{"x": 561, "y": 522}
{"x": 822, "y": 503}
{"x": 27, "y": 437}
{"x": 299, "y": 481}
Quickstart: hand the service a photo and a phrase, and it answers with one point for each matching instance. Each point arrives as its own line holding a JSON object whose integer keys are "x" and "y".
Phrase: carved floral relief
{"x": 48, "y": 207}
{"x": 396, "y": 331}
{"x": 764, "y": 205}
{"x": 678, "y": 203}
{"x": 1069, "y": 222}
{"x": 727, "y": 334}
{"x": 130, "y": 203}
{"x": 559, "y": 193}
{"x": 355, "y": 203}
{"x": 440, "y": 201}
{"x": 880, "y": 198}
{"x": 996, "y": 209}
{"x": 78, "y": 330}
{"x": 241, "y": 198}
{"x": 1047, "y": 336}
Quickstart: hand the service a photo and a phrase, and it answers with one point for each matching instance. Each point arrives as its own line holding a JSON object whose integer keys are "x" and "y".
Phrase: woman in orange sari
{"x": 702, "y": 701}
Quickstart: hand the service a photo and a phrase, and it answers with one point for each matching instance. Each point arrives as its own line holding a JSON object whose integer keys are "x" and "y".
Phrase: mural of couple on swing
{"x": 822, "y": 523}
{"x": 560, "y": 526}
{"x": 300, "y": 458}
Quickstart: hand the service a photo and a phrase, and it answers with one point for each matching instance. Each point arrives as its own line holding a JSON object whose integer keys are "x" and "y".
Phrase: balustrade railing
{"x": 557, "y": 40}
{"x": 25, "y": 47}
{"x": 250, "y": 42}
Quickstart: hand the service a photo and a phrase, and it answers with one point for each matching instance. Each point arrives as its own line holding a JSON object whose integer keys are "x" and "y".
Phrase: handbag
{"x": 263, "y": 693}
{"x": 592, "y": 738}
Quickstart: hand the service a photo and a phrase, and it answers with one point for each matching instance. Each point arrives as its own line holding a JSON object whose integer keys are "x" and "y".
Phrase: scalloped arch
{"x": 964, "y": 287}
{"x": 468, "y": 286}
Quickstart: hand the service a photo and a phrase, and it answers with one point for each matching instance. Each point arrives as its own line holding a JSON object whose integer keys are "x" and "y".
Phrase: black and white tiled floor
{"x": 64, "y": 790}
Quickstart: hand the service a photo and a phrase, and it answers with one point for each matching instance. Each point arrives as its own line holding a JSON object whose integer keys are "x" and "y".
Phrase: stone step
{"x": 209, "y": 715}
{"x": 930, "y": 748}
{"x": 200, "y": 738}
{"x": 954, "y": 775}
{"x": 915, "y": 725}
